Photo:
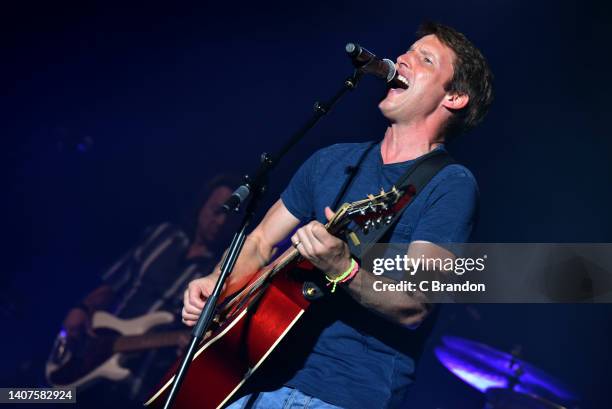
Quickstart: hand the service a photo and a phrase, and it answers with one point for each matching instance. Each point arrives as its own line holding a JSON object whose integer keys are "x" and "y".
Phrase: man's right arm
{"x": 257, "y": 252}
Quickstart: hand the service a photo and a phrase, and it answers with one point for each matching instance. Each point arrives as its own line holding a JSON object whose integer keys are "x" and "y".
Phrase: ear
{"x": 455, "y": 101}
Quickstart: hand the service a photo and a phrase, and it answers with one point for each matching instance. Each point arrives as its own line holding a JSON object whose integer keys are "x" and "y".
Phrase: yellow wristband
{"x": 335, "y": 281}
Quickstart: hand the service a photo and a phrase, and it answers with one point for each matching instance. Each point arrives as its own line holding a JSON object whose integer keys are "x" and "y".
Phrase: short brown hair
{"x": 471, "y": 76}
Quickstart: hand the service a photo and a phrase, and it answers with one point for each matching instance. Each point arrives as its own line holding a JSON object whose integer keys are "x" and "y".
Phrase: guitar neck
{"x": 153, "y": 340}
{"x": 290, "y": 255}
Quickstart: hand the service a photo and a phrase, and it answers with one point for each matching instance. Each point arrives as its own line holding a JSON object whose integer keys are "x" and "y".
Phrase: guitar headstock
{"x": 369, "y": 212}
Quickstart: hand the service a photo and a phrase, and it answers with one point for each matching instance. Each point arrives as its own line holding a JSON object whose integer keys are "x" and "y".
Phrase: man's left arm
{"x": 331, "y": 255}
{"x": 448, "y": 218}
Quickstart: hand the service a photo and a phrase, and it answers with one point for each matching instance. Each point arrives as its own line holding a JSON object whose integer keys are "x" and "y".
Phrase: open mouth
{"x": 399, "y": 82}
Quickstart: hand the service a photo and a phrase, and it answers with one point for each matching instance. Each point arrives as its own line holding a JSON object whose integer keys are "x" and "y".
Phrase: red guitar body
{"x": 232, "y": 353}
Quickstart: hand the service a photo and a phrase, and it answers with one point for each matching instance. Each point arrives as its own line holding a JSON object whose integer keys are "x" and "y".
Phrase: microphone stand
{"x": 251, "y": 192}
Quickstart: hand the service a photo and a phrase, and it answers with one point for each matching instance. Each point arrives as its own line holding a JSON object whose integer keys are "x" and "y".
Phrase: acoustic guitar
{"x": 250, "y": 323}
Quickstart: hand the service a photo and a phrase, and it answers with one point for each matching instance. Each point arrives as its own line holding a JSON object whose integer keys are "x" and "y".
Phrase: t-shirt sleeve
{"x": 298, "y": 197}
{"x": 450, "y": 212}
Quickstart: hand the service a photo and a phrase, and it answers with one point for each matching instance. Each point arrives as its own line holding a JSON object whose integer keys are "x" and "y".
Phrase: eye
{"x": 427, "y": 60}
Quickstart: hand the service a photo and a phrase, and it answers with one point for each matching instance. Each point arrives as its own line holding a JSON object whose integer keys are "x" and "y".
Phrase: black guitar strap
{"x": 417, "y": 176}
{"x": 351, "y": 171}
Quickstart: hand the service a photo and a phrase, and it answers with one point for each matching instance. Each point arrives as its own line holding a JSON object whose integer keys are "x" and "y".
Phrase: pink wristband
{"x": 352, "y": 274}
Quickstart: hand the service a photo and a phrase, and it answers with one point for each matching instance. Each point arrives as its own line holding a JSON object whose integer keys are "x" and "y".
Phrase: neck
{"x": 404, "y": 142}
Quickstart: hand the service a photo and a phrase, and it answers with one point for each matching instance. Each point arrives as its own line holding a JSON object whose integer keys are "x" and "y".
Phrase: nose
{"x": 404, "y": 60}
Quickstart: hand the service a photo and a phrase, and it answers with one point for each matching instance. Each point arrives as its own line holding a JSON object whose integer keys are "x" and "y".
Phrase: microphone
{"x": 237, "y": 198}
{"x": 369, "y": 63}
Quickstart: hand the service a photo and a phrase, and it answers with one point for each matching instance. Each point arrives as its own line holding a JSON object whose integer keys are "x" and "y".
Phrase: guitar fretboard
{"x": 149, "y": 341}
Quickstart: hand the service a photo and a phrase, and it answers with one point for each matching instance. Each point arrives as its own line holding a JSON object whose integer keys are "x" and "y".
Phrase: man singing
{"x": 365, "y": 349}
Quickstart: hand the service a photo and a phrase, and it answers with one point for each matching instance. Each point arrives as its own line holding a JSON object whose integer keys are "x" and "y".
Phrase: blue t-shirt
{"x": 358, "y": 359}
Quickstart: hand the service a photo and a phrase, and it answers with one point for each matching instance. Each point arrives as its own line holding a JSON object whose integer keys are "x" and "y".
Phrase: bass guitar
{"x": 77, "y": 363}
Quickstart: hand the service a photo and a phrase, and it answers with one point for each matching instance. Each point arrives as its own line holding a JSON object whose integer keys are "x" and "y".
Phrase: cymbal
{"x": 484, "y": 367}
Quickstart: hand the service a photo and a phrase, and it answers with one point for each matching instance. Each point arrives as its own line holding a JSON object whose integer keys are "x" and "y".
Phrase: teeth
{"x": 402, "y": 79}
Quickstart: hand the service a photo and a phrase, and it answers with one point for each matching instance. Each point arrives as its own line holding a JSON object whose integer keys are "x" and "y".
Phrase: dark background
{"x": 112, "y": 119}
